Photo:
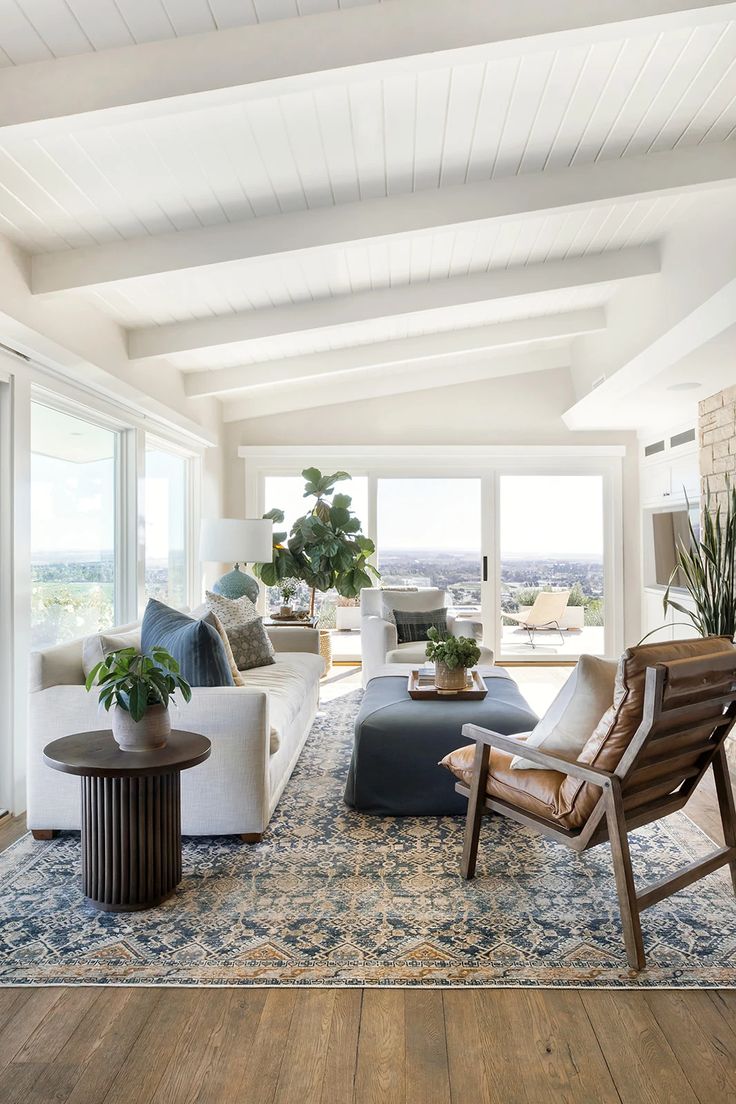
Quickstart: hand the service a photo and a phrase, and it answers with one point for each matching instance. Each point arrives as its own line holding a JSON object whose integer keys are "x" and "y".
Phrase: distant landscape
{"x": 73, "y": 594}
{"x": 521, "y": 576}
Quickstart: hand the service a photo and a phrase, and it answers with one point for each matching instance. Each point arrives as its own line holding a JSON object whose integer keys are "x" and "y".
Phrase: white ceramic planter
{"x": 347, "y": 618}
{"x": 151, "y": 732}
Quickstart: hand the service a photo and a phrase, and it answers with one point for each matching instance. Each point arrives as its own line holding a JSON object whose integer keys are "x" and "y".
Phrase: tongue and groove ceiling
{"x": 432, "y": 168}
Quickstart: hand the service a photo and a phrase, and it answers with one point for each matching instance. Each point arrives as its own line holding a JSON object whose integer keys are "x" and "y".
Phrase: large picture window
{"x": 166, "y": 498}
{"x": 73, "y": 512}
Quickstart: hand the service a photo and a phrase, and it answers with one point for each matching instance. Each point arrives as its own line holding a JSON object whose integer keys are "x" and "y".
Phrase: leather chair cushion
{"x": 533, "y": 791}
{"x": 619, "y": 724}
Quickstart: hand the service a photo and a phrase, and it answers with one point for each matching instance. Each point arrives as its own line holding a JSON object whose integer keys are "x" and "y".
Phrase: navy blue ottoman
{"x": 399, "y": 742}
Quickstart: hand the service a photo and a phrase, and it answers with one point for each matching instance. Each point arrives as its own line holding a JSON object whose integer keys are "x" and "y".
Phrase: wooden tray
{"x": 421, "y": 687}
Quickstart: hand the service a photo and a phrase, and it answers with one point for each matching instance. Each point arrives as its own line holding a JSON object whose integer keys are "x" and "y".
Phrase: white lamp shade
{"x": 236, "y": 540}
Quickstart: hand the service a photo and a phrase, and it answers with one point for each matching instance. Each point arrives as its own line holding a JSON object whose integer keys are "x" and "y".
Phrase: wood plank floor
{"x": 319, "y": 1046}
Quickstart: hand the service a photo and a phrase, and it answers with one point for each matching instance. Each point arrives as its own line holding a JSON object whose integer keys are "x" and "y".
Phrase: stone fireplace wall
{"x": 717, "y": 435}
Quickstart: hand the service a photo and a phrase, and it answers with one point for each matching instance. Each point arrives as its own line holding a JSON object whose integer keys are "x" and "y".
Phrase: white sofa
{"x": 378, "y": 637}
{"x": 257, "y": 733}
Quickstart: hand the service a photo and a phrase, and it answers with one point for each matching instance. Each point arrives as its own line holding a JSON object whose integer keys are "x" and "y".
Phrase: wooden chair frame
{"x": 625, "y": 804}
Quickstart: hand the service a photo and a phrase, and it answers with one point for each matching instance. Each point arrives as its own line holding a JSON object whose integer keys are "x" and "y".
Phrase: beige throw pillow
{"x": 572, "y": 718}
{"x": 95, "y": 648}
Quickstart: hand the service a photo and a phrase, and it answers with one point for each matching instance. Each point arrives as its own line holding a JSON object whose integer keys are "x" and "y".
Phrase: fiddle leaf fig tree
{"x": 325, "y": 548}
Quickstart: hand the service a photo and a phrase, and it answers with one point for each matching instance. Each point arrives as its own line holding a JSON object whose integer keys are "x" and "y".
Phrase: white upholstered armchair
{"x": 379, "y": 637}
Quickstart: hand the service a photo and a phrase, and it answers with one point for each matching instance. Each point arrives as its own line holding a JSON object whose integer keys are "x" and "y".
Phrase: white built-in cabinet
{"x": 669, "y": 477}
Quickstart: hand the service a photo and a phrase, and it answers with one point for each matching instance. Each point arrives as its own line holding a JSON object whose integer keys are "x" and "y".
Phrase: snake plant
{"x": 707, "y": 569}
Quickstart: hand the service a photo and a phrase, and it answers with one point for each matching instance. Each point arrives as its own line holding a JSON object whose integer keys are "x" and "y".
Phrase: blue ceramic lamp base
{"x": 236, "y": 584}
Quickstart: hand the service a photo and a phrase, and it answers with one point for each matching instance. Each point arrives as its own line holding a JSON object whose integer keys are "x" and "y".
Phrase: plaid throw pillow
{"x": 412, "y": 625}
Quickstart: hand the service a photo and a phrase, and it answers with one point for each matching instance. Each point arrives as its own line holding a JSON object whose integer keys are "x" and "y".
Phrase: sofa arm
{"x": 294, "y": 638}
{"x": 227, "y": 794}
{"x": 377, "y": 637}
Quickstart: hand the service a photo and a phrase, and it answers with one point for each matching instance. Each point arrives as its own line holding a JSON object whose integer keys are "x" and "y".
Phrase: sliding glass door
{"x": 497, "y": 529}
{"x": 429, "y": 534}
{"x": 551, "y": 542}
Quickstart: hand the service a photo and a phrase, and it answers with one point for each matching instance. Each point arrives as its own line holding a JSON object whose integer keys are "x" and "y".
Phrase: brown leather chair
{"x": 674, "y": 704}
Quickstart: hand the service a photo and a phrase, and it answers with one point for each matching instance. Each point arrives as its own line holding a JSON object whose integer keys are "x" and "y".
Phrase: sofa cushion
{"x": 249, "y": 641}
{"x": 95, "y": 648}
{"x": 285, "y": 680}
{"x": 413, "y": 625}
{"x": 573, "y": 715}
{"x": 194, "y": 643}
{"x": 616, "y": 728}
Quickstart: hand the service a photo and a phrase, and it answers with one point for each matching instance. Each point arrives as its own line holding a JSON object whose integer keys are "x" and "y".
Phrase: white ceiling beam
{"x": 498, "y": 284}
{"x": 274, "y": 58}
{"x": 354, "y": 387}
{"x": 403, "y": 352}
{"x": 581, "y": 186}
{"x": 696, "y": 328}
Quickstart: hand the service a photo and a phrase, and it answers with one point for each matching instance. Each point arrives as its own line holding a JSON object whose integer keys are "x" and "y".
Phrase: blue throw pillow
{"x": 195, "y": 645}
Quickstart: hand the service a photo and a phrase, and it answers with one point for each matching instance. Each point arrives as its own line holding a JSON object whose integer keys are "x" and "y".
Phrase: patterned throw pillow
{"x": 412, "y": 625}
{"x": 249, "y": 640}
{"x": 194, "y": 644}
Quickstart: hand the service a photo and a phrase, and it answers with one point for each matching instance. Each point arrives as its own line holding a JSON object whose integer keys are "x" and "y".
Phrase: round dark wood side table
{"x": 131, "y": 815}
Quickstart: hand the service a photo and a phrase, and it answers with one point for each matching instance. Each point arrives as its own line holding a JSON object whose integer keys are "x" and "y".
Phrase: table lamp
{"x": 236, "y": 540}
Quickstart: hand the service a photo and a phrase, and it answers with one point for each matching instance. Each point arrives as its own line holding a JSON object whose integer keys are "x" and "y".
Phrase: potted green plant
{"x": 288, "y": 591}
{"x": 706, "y": 569}
{"x": 326, "y": 548}
{"x": 138, "y": 689}
{"x": 451, "y": 655}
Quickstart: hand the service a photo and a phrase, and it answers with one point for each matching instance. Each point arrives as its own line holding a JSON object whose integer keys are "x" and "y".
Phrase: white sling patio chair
{"x": 546, "y": 613}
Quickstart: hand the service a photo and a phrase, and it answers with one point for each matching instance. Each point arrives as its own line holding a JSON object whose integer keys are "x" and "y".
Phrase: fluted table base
{"x": 131, "y": 840}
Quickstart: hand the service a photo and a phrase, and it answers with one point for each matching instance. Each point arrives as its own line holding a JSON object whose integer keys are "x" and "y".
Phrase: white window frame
{"x": 193, "y": 498}
{"x": 487, "y": 462}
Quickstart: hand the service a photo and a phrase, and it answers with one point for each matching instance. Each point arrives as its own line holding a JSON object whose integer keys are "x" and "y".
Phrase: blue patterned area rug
{"x": 335, "y": 898}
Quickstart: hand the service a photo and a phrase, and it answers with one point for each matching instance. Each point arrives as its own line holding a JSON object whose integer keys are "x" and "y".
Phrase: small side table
{"x": 131, "y": 815}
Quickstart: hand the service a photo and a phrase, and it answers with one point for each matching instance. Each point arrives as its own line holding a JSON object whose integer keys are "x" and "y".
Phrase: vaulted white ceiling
{"x": 242, "y": 186}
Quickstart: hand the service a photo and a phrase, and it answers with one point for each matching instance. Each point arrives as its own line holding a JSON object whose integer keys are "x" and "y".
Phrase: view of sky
{"x": 73, "y": 490}
{"x": 165, "y": 504}
{"x": 551, "y": 515}
{"x": 556, "y": 515}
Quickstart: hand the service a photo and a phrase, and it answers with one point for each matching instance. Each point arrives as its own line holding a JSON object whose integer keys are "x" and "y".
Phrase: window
{"x": 167, "y": 524}
{"x": 73, "y": 526}
{"x": 552, "y": 538}
{"x": 429, "y": 534}
{"x": 286, "y": 492}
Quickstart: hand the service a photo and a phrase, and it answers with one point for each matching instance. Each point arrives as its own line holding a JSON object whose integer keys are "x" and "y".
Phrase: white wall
{"x": 515, "y": 410}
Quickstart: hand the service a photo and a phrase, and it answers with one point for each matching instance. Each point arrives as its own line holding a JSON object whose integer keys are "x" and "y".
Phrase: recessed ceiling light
{"x": 689, "y": 385}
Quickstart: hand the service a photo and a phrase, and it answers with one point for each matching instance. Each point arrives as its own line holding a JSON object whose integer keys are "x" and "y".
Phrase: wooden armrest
{"x": 551, "y": 762}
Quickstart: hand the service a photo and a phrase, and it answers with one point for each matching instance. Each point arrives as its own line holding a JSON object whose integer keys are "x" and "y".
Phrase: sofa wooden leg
{"x": 251, "y": 837}
{"x": 44, "y": 833}
{"x": 475, "y": 810}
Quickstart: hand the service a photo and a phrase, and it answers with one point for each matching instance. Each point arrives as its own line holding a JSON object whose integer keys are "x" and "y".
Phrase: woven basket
{"x": 325, "y": 647}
